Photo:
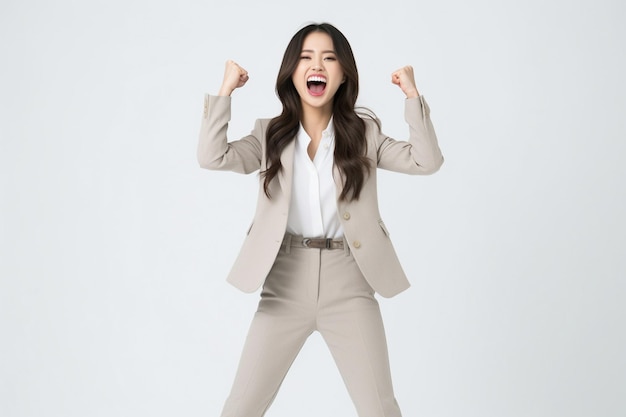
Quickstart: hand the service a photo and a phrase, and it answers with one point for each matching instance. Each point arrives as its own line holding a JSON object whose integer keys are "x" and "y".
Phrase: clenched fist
{"x": 234, "y": 77}
{"x": 405, "y": 79}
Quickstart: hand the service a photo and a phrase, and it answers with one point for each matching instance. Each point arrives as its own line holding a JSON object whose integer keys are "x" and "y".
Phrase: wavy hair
{"x": 350, "y": 145}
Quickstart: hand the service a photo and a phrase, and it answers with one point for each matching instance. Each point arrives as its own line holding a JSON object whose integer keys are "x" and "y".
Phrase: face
{"x": 318, "y": 74}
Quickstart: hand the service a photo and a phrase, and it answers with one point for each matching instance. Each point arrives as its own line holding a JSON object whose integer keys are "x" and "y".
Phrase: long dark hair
{"x": 350, "y": 145}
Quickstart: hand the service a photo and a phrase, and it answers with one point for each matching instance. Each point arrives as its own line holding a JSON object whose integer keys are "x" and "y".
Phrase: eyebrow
{"x": 324, "y": 52}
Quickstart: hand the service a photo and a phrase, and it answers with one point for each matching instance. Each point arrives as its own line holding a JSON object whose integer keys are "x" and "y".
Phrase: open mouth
{"x": 316, "y": 85}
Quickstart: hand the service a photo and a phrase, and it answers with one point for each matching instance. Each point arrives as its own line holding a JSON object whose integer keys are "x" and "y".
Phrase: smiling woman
{"x": 320, "y": 51}
{"x": 317, "y": 244}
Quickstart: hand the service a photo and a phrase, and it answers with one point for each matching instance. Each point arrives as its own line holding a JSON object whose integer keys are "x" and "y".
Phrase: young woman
{"x": 317, "y": 243}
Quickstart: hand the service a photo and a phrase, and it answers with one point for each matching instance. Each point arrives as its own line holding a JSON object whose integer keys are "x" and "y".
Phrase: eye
{"x": 330, "y": 58}
{"x": 305, "y": 57}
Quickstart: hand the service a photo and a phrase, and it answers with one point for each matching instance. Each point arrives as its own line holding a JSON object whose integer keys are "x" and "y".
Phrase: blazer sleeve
{"x": 214, "y": 150}
{"x": 421, "y": 154}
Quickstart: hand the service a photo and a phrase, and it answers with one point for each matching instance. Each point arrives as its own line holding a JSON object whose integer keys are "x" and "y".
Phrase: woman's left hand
{"x": 405, "y": 79}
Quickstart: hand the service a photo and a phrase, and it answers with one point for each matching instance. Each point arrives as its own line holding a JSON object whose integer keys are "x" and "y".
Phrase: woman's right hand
{"x": 234, "y": 77}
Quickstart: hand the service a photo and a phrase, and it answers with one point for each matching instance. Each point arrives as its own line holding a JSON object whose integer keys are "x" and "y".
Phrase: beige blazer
{"x": 363, "y": 227}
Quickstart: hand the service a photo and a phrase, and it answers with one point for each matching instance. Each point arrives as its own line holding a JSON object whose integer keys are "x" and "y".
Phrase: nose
{"x": 317, "y": 65}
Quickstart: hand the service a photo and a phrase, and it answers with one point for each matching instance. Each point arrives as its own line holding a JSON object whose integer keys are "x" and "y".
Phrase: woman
{"x": 317, "y": 243}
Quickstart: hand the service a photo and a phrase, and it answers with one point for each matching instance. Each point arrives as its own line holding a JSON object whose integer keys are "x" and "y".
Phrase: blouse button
{"x": 357, "y": 244}
{"x": 346, "y": 215}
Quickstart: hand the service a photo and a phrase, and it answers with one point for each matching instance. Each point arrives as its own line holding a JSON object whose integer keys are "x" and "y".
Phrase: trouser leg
{"x": 271, "y": 346}
{"x": 281, "y": 325}
{"x": 352, "y": 326}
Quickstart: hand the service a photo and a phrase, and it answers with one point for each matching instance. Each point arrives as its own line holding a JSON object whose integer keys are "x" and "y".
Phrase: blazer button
{"x": 346, "y": 215}
{"x": 356, "y": 244}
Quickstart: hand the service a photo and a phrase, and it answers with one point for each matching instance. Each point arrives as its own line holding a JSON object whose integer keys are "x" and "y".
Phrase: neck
{"x": 315, "y": 120}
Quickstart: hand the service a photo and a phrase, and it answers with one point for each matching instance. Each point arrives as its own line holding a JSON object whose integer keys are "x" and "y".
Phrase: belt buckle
{"x": 328, "y": 243}
{"x": 306, "y": 242}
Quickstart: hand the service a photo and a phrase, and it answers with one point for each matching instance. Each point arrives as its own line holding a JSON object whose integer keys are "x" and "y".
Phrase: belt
{"x": 313, "y": 242}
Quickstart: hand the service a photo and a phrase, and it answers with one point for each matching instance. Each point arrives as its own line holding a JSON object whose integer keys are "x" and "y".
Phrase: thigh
{"x": 358, "y": 345}
{"x": 271, "y": 346}
{"x": 292, "y": 283}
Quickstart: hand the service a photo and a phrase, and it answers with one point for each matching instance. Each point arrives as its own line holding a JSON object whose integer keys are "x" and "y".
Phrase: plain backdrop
{"x": 114, "y": 244}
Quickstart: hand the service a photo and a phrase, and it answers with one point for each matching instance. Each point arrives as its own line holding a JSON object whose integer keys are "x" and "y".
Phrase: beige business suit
{"x": 362, "y": 224}
{"x": 306, "y": 290}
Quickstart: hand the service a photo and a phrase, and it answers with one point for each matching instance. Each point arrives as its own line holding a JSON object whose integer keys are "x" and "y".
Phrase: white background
{"x": 114, "y": 244}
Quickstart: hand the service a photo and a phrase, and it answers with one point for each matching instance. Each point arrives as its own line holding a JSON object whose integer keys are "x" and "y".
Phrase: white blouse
{"x": 313, "y": 207}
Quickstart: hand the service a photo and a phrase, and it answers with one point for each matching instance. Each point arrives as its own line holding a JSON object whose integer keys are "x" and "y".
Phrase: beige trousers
{"x": 311, "y": 290}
